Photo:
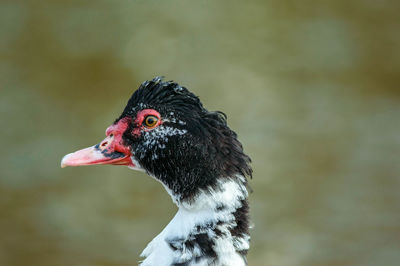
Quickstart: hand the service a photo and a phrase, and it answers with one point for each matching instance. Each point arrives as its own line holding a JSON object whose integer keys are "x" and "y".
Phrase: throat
{"x": 210, "y": 229}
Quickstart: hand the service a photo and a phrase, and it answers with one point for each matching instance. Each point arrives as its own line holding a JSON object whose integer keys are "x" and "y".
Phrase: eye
{"x": 150, "y": 121}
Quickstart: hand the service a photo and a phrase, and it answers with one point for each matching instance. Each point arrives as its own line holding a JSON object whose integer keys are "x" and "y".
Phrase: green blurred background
{"x": 311, "y": 87}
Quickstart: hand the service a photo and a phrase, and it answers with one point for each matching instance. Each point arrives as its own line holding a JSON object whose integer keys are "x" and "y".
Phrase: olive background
{"x": 311, "y": 88}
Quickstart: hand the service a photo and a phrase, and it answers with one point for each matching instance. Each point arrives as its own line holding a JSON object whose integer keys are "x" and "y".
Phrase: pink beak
{"x": 110, "y": 151}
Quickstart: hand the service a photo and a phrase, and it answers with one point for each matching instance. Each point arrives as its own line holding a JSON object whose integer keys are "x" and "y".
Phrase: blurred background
{"x": 311, "y": 88}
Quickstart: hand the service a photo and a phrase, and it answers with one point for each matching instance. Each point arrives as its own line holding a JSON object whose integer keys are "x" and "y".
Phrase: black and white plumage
{"x": 165, "y": 131}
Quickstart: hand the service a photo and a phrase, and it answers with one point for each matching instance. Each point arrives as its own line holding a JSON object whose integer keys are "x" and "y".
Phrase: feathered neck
{"x": 211, "y": 229}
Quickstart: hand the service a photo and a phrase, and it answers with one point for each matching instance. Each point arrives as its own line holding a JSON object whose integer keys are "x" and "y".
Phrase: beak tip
{"x": 64, "y": 160}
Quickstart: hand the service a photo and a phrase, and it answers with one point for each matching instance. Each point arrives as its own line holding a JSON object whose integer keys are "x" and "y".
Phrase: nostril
{"x": 104, "y": 143}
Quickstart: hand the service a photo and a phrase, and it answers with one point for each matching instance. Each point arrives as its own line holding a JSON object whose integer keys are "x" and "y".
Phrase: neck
{"x": 210, "y": 229}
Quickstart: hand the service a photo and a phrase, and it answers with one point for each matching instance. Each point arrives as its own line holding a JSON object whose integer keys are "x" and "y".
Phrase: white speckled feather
{"x": 202, "y": 211}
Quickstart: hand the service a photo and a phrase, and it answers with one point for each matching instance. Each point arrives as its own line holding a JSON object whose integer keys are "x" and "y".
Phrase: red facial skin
{"x": 141, "y": 115}
{"x": 112, "y": 150}
{"x": 116, "y": 132}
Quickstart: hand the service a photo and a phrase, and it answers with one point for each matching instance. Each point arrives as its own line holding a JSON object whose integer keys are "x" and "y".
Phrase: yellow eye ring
{"x": 150, "y": 121}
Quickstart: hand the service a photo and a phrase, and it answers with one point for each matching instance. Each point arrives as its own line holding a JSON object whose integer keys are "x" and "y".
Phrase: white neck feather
{"x": 209, "y": 216}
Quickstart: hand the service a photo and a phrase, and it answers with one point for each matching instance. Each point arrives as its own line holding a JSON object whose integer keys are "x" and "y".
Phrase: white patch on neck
{"x": 201, "y": 211}
{"x": 136, "y": 166}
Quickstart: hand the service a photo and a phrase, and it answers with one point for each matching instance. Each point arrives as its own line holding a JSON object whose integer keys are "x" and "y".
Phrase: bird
{"x": 165, "y": 131}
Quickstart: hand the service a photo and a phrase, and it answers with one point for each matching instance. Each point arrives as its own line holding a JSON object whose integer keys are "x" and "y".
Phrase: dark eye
{"x": 150, "y": 121}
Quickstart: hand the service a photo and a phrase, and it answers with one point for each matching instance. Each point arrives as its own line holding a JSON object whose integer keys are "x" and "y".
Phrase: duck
{"x": 165, "y": 131}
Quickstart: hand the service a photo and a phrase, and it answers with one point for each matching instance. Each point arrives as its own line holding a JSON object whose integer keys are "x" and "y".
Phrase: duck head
{"x": 165, "y": 131}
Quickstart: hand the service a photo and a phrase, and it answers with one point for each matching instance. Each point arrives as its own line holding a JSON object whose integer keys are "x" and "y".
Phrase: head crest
{"x": 162, "y": 95}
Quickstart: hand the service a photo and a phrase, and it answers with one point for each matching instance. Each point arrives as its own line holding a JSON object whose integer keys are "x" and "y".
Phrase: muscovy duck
{"x": 165, "y": 131}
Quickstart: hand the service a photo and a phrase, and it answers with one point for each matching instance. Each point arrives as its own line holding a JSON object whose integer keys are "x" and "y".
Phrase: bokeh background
{"x": 311, "y": 88}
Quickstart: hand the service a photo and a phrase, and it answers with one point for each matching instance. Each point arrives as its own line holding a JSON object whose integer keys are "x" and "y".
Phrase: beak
{"x": 110, "y": 151}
